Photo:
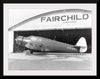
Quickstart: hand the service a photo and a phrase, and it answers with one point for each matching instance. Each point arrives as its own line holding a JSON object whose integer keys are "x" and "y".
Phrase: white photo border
{"x": 93, "y": 71}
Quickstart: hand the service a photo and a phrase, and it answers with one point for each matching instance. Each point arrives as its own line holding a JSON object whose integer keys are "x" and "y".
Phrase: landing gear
{"x": 27, "y": 52}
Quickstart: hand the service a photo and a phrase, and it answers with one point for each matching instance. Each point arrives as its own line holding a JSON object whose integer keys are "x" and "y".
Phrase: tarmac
{"x": 50, "y": 61}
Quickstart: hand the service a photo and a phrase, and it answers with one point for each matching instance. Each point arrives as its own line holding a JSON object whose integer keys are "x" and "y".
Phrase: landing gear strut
{"x": 28, "y": 52}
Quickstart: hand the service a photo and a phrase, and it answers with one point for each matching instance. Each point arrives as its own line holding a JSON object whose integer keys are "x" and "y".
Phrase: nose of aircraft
{"x": 19, "y": 40}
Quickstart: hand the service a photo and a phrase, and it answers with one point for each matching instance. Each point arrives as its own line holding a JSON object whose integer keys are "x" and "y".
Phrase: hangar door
{"x": 70, "y": 36}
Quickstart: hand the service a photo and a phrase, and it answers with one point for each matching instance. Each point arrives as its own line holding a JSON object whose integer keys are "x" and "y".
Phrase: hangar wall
{"x": 36, "y": 24}
{"x": 11, "y": 38}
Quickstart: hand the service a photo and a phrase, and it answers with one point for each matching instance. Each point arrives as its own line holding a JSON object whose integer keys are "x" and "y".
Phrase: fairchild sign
{"x": 65, "y": 18}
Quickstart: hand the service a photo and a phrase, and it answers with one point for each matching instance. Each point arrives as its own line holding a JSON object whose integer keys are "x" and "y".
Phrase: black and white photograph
{"x": 50, "y": 39}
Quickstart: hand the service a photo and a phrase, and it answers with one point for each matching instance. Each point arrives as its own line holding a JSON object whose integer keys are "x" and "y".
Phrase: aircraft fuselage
{"x": 45, "y": 44}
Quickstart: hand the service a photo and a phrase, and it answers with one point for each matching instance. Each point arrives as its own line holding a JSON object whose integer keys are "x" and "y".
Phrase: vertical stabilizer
{"x": 82, "y": 44}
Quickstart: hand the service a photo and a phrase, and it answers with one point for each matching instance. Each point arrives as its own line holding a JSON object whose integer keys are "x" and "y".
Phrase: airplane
{"x": 42, "y": 44}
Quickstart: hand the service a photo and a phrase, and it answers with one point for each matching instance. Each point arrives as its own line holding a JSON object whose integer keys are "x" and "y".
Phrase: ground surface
{"x": 68, "y": 61}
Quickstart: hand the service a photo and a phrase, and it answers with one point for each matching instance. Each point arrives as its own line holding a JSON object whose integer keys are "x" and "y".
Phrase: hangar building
{"x": 66, "y": 25}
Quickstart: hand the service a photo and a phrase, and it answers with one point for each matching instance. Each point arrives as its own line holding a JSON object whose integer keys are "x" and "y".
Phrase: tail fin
{"x": 82, "y": 44}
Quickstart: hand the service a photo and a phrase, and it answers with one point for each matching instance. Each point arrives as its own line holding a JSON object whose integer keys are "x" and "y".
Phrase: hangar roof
{"x": 48, "y": 13}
